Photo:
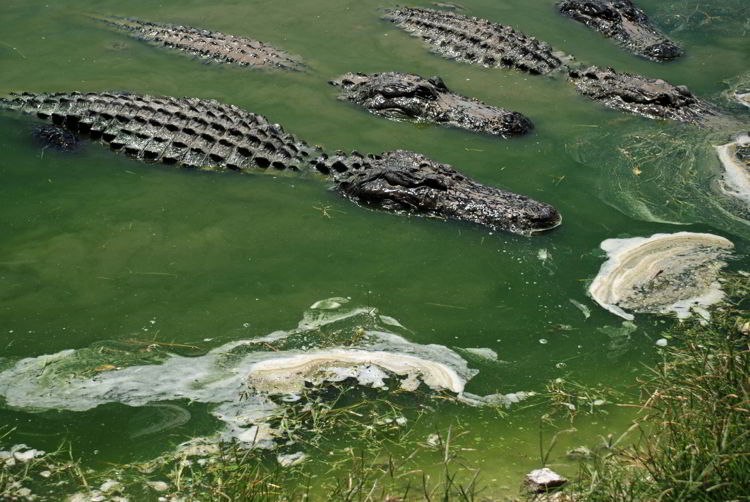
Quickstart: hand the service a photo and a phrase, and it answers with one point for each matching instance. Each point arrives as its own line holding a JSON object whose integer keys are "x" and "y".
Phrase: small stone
{"x": 662, "y": 342}
{"x": 542, "y": 480}
{"x": 110, "y": 485}
{"x": 291, "y": 459}
{"x": 23, "y": 492}
{"x": 159, "y": 486}
{"x": 96, "y": 496}
{"x": 27, "y": 455}
{"x": 45, "y": 474}
{"x": 433, "y": 440}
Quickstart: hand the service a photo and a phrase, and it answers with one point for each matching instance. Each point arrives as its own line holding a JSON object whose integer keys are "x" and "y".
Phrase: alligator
{"x": 482, "y": 42}
{"x": 625, "y": 23}
{"x": 652, "y": 98}
{"x": 407, "y": 96}
{"x": 208, "y": 45}
{"x": 208, "y": 135}
{"x": 478, "y": 41}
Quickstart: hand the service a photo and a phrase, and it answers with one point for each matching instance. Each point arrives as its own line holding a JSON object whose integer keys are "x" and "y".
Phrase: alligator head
{"x": 408, "y": 96}
{"x": 409, "y": 182}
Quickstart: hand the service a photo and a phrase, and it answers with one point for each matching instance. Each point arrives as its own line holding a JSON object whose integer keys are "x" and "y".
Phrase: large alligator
{"x": 623, "y": 22}
{"x": 208, "y": 135}
{"x": 209, "y": 45}
{"x": 652, "y": 98}
{"x": 478, "y": 41}
{"x": 407, "y": 96}
{"x": 482, "y": 42}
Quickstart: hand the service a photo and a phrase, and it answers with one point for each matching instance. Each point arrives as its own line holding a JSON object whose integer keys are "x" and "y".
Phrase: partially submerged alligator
{"x": 482, "y": 42}
{"x": 652, "y": 98}
{"x": 478, "y": 41}
{"x": 407, "y": 96}
{"x": 209, "y": 45}
{"x": 623, "y": 22}
{"x": 208, "y": 135}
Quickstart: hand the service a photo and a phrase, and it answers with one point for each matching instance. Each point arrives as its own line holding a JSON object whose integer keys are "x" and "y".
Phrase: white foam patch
{"x": 660, "y": 274}
{"x": 238, "y": 377}
{"x": 736, "y": 180}
{"x": 289, "y": 373}
{"x": 482, "y": 353}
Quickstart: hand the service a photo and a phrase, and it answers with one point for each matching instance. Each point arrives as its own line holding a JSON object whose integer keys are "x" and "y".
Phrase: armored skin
{"x": 477, "y": 41}
{"x": 623, "y": 22}
{"x": 651, "y": 98}
{"x": 407, "y": 96}
{"x": 208, "y": 45}
{"x": 208, "y": 135}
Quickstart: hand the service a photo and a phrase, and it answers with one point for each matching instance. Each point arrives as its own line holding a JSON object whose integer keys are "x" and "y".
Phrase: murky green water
{"x": 98, "y": 247}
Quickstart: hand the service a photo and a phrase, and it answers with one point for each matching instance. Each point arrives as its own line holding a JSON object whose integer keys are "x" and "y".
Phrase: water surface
{"x": 98, "y": 247}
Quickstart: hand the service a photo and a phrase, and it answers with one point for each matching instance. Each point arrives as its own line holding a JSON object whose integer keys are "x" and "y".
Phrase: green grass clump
{"x": 694, "y": 427}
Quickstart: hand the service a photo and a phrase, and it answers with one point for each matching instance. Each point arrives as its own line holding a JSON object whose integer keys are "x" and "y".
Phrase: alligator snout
{"x": 663, "y": 51}
{"x": 541, "y": 217}
{"x": 409, "y": 182}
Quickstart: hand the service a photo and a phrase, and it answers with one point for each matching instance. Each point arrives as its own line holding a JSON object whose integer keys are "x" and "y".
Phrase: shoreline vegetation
{"x": 689, "y": 441}
{"x": 691, "y": 438}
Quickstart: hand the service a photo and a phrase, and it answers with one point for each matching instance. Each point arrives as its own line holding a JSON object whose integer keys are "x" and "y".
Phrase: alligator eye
{"x": 434, "y": 183}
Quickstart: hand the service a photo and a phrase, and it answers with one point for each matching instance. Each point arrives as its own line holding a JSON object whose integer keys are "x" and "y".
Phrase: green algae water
{"x": 106, "y": 256}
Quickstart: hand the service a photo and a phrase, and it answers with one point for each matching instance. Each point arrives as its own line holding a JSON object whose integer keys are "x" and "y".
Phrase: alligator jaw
{"x": 399, "y": 95}
{"x": 408, "y": 182}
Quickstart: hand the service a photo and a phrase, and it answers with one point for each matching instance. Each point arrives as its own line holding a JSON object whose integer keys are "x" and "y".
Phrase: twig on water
{"x": 6, "y": 44}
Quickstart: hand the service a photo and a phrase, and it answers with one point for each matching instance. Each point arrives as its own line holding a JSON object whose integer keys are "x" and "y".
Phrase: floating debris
{"x": 735, "y": 158}
{"x": 291, "y": 459}
{"x": 743, "y": 98}
{"x": 580, "y": 306}
{"x": 245, "y": 383}
{"x": 390, "y": 321}
{"x": 329, "y": 303}
{"x": 660, "y": 274}
{"x": 482, "y": 353}
{"x": 289, "y": 374}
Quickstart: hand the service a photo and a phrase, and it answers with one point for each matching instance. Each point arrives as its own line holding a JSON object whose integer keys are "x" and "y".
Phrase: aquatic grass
{"x": 692, "y": 437}
{"x": 42, "y": 477}
{"x": 387, "y": 464}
